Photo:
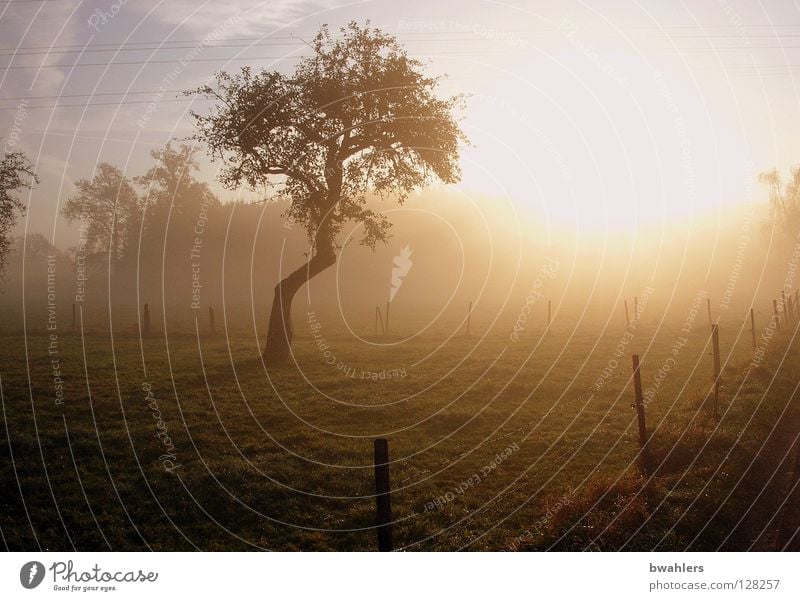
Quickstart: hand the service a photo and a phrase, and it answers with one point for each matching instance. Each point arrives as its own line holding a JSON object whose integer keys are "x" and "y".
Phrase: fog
{"x": 460, "y": 248}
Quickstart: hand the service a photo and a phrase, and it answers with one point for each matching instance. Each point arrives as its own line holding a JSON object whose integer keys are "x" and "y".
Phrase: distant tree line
{"x": 126, "y": 222}
{"x": 160, "y": 237}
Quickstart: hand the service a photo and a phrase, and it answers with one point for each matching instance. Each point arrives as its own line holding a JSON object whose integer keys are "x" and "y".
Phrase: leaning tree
{"x": 357, "y": 118}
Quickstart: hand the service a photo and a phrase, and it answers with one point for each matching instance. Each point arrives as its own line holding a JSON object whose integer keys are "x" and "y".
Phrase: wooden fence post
{"x": 383, "y": 504}
{"x": 639, "y": 402}
{"x": 469, "y": 316}
{"x": 753, "y": 327}
{"x": 211, "y": 321}
{"x": 146, "y": 325}
{"x": 775, "y": 312}
{"x": 710, "y": 321}
{"x": 717, "y": 369}
{"x": 380, "y": 318}
{"x": 639, "y": 406}
{"x": 785, "y": 307}
{"x": 627, "y": 317}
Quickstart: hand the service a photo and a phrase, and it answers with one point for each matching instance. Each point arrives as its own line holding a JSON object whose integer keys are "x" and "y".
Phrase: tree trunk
{"x": 279, "y": 333}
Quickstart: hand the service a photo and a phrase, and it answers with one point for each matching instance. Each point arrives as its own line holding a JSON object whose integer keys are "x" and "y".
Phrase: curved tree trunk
{"x": 279, "y": 333}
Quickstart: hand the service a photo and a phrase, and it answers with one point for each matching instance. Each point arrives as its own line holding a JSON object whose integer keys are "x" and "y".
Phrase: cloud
{"x": 258, "y": 17}
{"x": 24, "y": 27}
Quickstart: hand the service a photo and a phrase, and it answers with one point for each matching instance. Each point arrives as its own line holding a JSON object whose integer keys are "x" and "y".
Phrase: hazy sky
{"x": 588, "y": 115}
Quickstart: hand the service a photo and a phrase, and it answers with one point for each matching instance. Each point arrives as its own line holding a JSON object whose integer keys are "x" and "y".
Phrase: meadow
{"x": 186, "y": 441}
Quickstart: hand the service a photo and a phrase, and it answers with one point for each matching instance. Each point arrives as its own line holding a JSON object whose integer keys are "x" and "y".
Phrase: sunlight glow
{"x": 590, "y": 147}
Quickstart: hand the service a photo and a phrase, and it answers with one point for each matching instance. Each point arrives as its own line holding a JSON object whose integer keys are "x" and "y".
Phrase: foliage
{"x": 784, "y": 201}
{"x": 123, "y": 225}
{"x": 109, "y": 211}
{"x": 16, "y": 173}
{"x": 357, "y": 116}
{"x": 171, "y": 189}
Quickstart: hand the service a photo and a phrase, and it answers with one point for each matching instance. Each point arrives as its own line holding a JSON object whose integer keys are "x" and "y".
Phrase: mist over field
{"x": 463, "y": 249}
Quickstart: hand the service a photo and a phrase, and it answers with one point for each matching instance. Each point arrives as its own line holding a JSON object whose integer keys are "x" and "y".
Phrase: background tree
{"x": 16, "y": 173}
{"x": 174, "y": 201}
{"x": 357, "y": 116}
{"x": 111, "y": 211}
{"x": 173, "y": 196}
{"x": 784, "y": 201}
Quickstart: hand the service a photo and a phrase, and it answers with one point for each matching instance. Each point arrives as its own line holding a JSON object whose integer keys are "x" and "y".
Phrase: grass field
{"x": 178, "y": 443}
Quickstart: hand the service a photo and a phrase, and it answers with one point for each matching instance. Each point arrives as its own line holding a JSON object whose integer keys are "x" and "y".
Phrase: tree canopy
{"x": 357, "y": 116}
{"x": 109, "y": 209}
{"x": 16, "y": 173}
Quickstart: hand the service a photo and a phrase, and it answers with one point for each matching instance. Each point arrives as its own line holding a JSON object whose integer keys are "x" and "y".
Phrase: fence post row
{"x": 383, "y": 504}
{"x": 639, "y": 402}
{"x": 784, "y": 306}
{"x": 717, "y": 370}
{"x": 644, "y": 453}
{"x": 775, "y": 314}
{"x": 379, "y": 319}
{"x": 146, "y": 325}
